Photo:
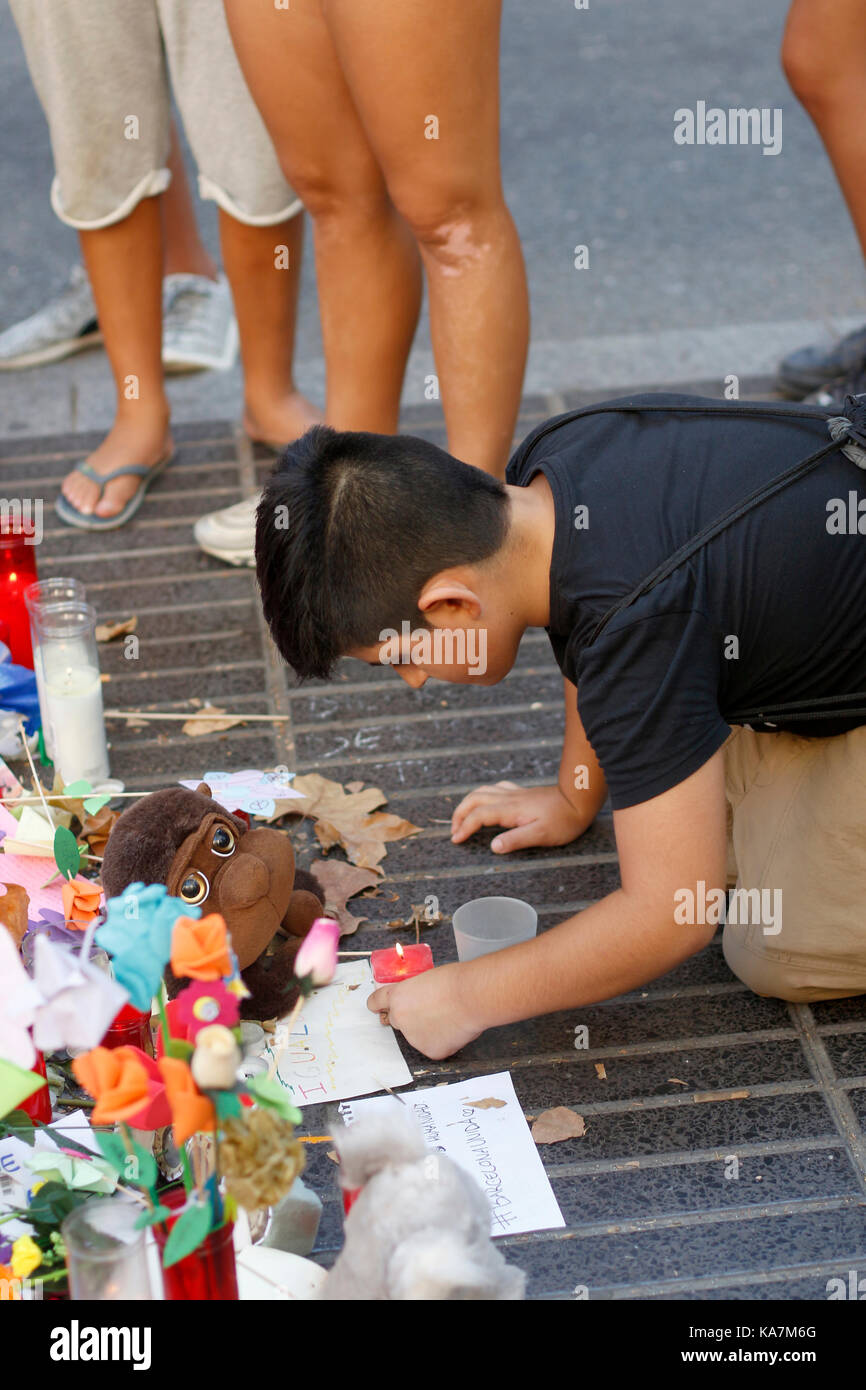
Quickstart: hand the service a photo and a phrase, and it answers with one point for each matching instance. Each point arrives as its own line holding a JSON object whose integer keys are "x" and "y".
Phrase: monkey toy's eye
{"x": 194, "y": 888}
{"x": 223, "y": 842}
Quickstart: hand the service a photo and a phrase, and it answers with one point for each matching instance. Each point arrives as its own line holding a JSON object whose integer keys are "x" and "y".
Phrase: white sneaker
{"x": 66, "y": 324}
{"x": 230, "y": 535}
{"x": 199, "y": 326}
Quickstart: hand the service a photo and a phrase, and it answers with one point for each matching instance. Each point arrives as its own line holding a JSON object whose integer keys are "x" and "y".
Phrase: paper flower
{"x": 204, "y": 1003}
{"x": 126, "y": 1085}
{"x": 190, "y": 1110}
{"x": 26, "y": 1256}
{"x": 137, "y": 935}
{"x": 81, "y": 1001}
{"x": 317, "y": 958}
{"x": 259, "y": 1158}
{"x": 200, "y": 950}
{"x": 216, "y": 1058}
{"x": 73, "y": 1170}
{"x": 81, "y": 902}
{"x": 19, "y": 999}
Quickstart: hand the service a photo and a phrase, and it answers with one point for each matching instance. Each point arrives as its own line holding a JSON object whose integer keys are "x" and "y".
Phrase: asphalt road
{"x": 703, "y": 260}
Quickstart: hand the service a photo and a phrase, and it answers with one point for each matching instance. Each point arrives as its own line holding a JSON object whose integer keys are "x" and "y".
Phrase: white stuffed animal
{"x": 420, "y": 1228}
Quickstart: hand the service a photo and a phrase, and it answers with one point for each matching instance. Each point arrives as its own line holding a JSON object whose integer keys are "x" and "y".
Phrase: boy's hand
{"x": 539, "y": 815}
{"x": 428, "y": 1011}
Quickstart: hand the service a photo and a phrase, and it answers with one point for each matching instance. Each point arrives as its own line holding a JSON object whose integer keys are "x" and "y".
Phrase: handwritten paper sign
{"x": 338, "y": 1048}
{"x": 250, "y": 790}
{"x": 491, "y": 1143}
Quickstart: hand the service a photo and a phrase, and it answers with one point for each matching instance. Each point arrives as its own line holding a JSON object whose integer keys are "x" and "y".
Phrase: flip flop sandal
{"x": 73, "y": 517}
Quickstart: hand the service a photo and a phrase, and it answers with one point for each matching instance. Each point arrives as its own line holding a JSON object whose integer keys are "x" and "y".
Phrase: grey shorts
{"x": 101, "y": 69}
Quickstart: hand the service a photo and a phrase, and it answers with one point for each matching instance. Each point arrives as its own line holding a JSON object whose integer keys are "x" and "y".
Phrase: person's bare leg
{"x": 184, "y": 251}
{"x": 425, "y": 81}
{"x": 824, "y": 57}
{"x": 367, "y": 264}
{"x": 266, "y": 301}
{"x": 124, "y": 263}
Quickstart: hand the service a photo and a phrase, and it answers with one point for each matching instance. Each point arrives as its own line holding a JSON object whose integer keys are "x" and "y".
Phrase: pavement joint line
{"x": 473, "y": 870}
{"x": 153, "y": 644}
{"x": 714, "y": 1216}
{"x": 183, "y": 577}
{"x": 638, "y": 1049}
{"x": 159, "y": 610}
{"x": 684, "y": 1158}
{"x": 58, "y": 455}
{"x": 854, "y": 1025}
{"x": 435, "y": 716}
{"x": 334, "y": 691}
{"x": 836, "y": 1099}
{"x": 138, "y": 553}
{"x": 275, "y": 681}
{"x": 408, "y": 756}
{"x": 220, "y": 668}
{"x": 780, "y": 1274}
{"x": 687, "y": 1099}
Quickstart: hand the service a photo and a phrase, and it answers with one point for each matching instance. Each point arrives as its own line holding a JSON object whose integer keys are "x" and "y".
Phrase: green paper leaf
{"x": 112, "y": 1147}
{"x": 271, "y": 1095}
{"x": 66, "y": 853}
{"x": 152, "y": 1217}
{"x": 80, "y": 788}
{"x": 16, "y": 1084}
{"x": 19, "y": 1125}
{"x": 147, "y": 1170}
{"x": 43, "y": 752}
{"x": 188, "y": 1232}
{"x": 96, "y": 803}
{"x": 226, "y": 1104}
{"x": 179, "y": 1047}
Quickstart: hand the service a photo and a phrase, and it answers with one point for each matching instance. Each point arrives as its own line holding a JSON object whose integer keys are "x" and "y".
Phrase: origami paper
{"x": 137, "y": 934}
{"x": 203, "y": 1003}
{"x": 19, "y": 999}
{"x": 80, "y": 1000}
{"x": 190, "y": 1110}
{"x": 81, "y": 902}
{"x": 16, "y": 1084}
{"x": 126, "y": 1085}
{"x": 200, "y": 950}
{"x": 91, "y": 1174}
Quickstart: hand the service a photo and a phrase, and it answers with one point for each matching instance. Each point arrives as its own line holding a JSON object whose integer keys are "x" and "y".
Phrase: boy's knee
{"x": 810, "y": 65}
{"x": 453, "y": 227}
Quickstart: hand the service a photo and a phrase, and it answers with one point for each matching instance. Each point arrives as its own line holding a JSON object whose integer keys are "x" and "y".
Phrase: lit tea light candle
{"x": 400, "y": 963}
{"x": 72, "y": 689}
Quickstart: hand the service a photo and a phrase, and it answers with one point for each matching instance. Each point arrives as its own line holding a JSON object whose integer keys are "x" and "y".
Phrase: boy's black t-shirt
{"x": 772, "y": 610}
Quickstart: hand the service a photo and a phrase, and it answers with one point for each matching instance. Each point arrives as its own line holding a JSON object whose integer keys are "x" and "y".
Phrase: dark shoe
{"x": 832, "y": 396}
{"x": 813, "y": 368}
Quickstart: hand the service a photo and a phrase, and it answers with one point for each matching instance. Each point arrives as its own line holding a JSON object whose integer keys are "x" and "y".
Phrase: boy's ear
{"x": 443, "y": 588}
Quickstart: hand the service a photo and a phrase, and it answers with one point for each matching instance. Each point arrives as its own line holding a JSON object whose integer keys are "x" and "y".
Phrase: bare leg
{"x": 266, "y": 299}
{"x": 124, "y": 263}
{"x": 367, "y": 263}
{"x": 824, "y": 56}
{"x": 417, "y": 71}
{"x": 185, "y": 252}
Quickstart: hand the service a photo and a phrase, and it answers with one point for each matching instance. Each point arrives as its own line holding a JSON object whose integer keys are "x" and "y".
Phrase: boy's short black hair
{"x": 350, "y": 528}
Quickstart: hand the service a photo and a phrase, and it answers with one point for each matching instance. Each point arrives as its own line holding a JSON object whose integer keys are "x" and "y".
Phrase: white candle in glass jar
{"x": 73, "y": 705}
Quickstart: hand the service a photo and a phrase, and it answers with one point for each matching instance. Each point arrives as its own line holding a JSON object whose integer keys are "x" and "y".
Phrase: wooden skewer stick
{"x": 224, "y": 714}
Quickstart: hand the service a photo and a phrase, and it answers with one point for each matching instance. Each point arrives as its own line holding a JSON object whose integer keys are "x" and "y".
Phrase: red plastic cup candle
{"x": 400, "y": 963}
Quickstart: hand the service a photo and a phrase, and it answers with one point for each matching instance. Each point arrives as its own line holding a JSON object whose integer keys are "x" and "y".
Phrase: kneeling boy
{"x": 696, "y": 584}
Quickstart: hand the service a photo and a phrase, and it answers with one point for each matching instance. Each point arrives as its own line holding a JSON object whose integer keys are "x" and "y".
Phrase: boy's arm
{"x": 553, "y": 815}
{"x": 668, "y": 844}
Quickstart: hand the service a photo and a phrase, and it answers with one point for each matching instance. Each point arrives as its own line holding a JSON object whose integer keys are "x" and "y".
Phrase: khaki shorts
{"x": 101, "y": 71}
{"x": 798, "y": 823}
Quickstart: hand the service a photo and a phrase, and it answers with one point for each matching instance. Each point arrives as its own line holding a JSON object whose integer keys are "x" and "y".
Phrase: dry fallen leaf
{"x": 106, "y": 632}
{"x": 354, "y": 786}
{"x": 217, "y": 722}
{"x": 720, "y": 1095}
{"x": 13, "y": 911}
{"x": 675, "y": 1081}
{"x": 600, "y": 1071}
{"x": 350, "y": 819}
{"x": 340, "y": 882}
{"x": 96, "y": 829}
{"x": 331, "y": 1154}
{"x": 552, "y": 1126}
{"x": 488, "y": 1103}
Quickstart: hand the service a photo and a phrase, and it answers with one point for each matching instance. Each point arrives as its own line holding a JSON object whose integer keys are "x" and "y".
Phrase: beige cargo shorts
{"x": 796, "y": 926}
{"x": 101, "y": 69}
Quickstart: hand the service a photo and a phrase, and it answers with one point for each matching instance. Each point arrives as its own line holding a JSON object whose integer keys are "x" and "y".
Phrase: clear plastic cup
{"x": 39, "y": 596}
{"x": 491, "y": 924}
{"x": 105, "y": 1254}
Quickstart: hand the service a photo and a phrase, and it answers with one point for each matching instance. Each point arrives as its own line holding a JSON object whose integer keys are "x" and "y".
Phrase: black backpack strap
{"x": 848, "y": 435}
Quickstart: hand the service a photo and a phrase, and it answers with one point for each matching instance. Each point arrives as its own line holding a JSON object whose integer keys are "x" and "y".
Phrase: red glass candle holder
{"x": 131, "y": 1028}
{"x": 17, "y": 573}
{"x": 38, "y": 1106}
{"x": 208, "y": 1272}
{"x": 350, "y": 1197}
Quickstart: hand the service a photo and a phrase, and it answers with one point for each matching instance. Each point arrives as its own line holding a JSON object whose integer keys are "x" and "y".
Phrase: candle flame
{"x": 400, "y": 951}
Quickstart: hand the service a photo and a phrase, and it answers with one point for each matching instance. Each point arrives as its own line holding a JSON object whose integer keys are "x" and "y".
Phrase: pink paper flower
{"x": 205, "y": 1002}
{"x": 317, "y": 958}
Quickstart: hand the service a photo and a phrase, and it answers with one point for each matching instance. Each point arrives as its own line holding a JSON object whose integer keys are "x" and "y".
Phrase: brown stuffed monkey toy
{"x": 213, "y": 861}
